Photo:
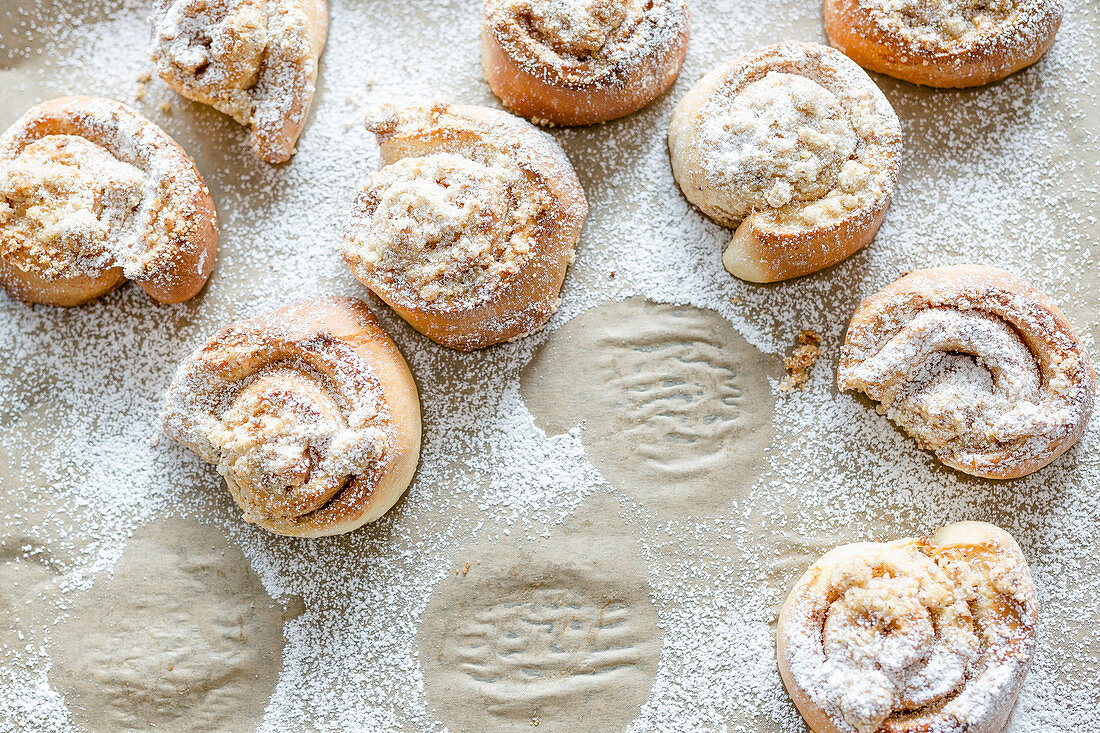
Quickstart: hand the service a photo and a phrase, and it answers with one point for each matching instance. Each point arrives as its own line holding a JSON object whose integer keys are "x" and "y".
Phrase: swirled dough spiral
{"x": 93, "y": 194}
{"x": 309, "y": 412}
{"x": 254, "y": 60}
{"x": 943, "y": 43}
{"x": 916, "y": 636}
{"x": 469, "y": 226}
{"x": 976, "y": 364}
{"x": 794, "y": 146}
{"x": 576, "y": 62}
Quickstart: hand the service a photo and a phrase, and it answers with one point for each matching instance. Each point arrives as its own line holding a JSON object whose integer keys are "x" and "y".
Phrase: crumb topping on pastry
{"x": 251, "y": 59}
{"x": 582, "y": 41}
{"x": 782, "y": 139}
{"x": 885, "y": 632}
{"x": 290, "y": 419}
{"x": 799, "y": 135}
{"x": 220, "y": 44}
{"x": 63, "y": 202}
{"x": 286, "y": 446}
{"x": 575, "y": 26}
{"x": 935, "y": 23}
{"x": 446, "y": 229}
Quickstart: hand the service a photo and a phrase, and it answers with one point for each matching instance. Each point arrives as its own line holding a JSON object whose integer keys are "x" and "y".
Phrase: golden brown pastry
{"x": 912, "y": 636}
{"x": 93, "y": 194}
{"x": 254, "y": 60}
{"x": 943, "y": 43}
{"x": 576, "y": 62}
{"x": 794, "y": 146}
{"x": 976, "y": 364}
{"x": 309, "y": 412}
{"x": 468, "y": 228}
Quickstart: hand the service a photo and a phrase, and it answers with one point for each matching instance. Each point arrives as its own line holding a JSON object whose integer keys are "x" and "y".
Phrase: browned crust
{"x": 541, "y": 100}
{"x": 30, "y": 288}
{"x": 851, "y": 27}
{"x": 527, "y": 301}
{"x": 760, "y": 251}
{"x": 1003, "y": 294}
{"x": 194, "y": 235}
{"x": 781, "y": 255}
{"x": 318, "y": 322}
{"x": 968, "y": 538}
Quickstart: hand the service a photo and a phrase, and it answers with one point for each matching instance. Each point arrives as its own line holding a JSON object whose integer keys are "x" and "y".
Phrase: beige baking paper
{"x": 609, "y": 513}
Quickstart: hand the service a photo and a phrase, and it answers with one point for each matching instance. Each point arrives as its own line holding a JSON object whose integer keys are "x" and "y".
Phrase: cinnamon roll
{"x": 976, "y": 364}
{"x": 93, "y": 194}
{"x": 468, "y": 228}
{"x": 309, "y": 412}
{"x": 576, "y": 62}
{"x": 943, "y": 43}
{"x": 916, "y": 635}
{"x": 254, "y": 60}
{"x": 794, "y": 146}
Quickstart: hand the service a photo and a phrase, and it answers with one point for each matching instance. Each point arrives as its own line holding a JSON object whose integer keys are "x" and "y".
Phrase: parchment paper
{"x": 631, "y": 490}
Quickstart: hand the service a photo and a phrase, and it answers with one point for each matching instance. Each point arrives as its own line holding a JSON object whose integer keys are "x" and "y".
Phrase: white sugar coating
{"x": 974, "y": 364}
{"x": 1004, "y": 175}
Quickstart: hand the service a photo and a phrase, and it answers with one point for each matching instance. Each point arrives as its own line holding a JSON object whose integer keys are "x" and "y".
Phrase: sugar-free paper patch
{"x": 674, "y": 405}
{"x": 185, "y": 638}
{"x": 558, "y": 633}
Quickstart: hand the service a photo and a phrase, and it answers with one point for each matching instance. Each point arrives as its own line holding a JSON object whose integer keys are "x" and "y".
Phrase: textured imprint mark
{"x": 679, "y": 398}
{"x": 674, "y": 405}
{"x": 536, "y": 635}
{"x": 542, "y": 636}
{"x": 181, "y": 637}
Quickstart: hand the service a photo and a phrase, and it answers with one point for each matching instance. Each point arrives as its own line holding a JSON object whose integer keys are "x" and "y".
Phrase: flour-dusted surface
{"x": 1004, "y": 174}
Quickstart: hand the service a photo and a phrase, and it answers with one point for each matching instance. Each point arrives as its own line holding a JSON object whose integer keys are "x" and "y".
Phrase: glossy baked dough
{"x": 976, "y": 364}
{"x": 254, "y": 60}
{"x": 562, "y": 62}
{"x": 943, "y": 43}
{"x": 924, "y": 635}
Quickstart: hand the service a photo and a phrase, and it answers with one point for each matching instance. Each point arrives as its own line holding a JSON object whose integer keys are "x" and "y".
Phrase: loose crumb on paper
{"x": 800, "y": 361}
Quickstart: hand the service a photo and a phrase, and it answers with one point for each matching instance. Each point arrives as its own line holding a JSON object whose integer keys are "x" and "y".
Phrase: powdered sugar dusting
{"x": 908, "y": 630}
{"x": 975, "y": 364}
{"x": 1005, "y": 164}
{"x": 945, "y": 23}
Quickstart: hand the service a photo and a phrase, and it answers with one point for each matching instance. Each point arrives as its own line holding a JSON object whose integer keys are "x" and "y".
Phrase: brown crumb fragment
{"x": 145, "y": 76}
{"x": 800, "y": 360}
{"x": 165, "y": 107}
